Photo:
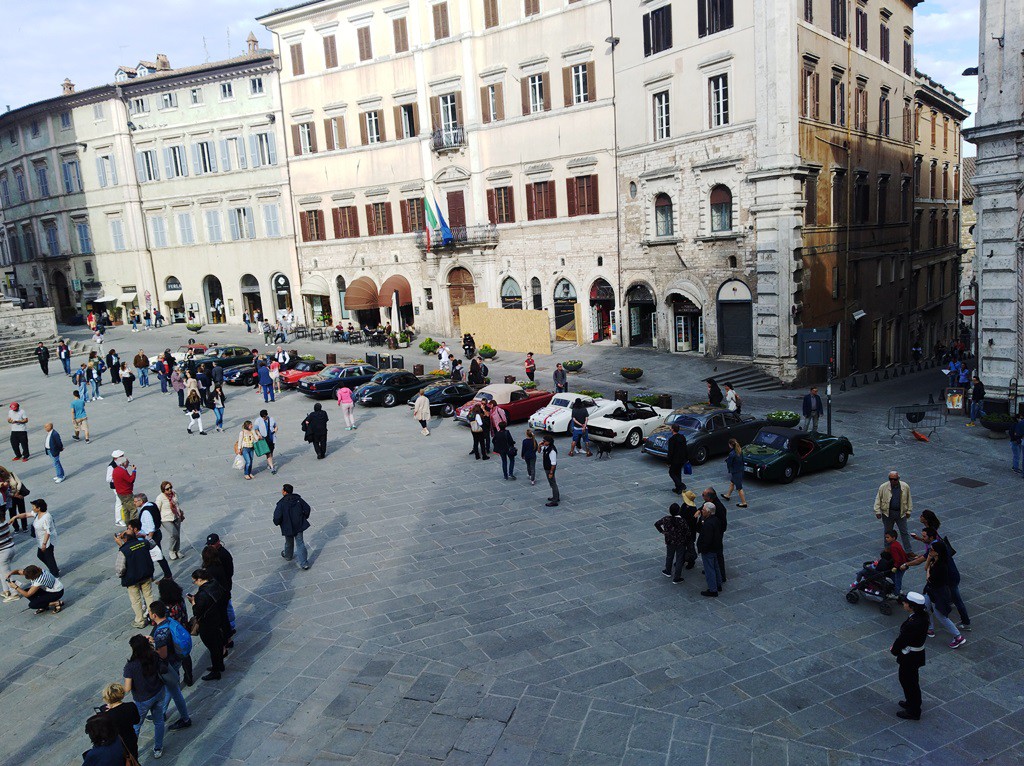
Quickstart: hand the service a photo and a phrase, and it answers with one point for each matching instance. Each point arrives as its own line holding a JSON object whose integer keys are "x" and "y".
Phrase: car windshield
{"x": 685, "y": 421}
{"x": 304, "y": 366}
{"x": 332, "y": 372}
{"x": 562, "y": 401}
{"x": 771, "y": 439}
{"x": 484, "y": 397}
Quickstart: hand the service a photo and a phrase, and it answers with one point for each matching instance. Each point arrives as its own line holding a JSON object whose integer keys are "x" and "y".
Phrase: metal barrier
{"x": 916, "y": 417}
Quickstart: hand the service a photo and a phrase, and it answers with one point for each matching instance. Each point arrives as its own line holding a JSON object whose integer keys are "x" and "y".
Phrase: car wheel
{"x": 842, "y": 458}
{"x": 389, "y": 399}
{"x": 700, "y": 456}
{"x": 788, "y": 473}
{"x": 634, "y": 438}
{"x": 853, "y": 597}
{"x": 448, "y": 410}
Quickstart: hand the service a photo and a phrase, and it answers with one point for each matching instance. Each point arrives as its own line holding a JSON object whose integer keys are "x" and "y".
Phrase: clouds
{"x": 946, "y": 39}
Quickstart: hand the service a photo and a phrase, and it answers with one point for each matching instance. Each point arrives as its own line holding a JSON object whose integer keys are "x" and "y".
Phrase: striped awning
{"x": 391, "y": 285}
{"x": 362, "y": 294}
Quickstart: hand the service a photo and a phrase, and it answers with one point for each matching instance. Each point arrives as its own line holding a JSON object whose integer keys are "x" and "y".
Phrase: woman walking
{"x": 505, "y": 445}
{"x": 14, "y": 499}
{"x": 209, "y": 606}
{"x": 734, "y": 465}
{"x": 421, "y": 411}
{"x": 477, "y": 420}
{"x": 45, "y": 532}
{"x": 6, "y": 552}
{"x": 245, "y": 446}
{"x": 275, "y": 375}
{"x": 123, "y": 718}
{"x": 127, "y": 380}
{"x": 171, "y": 517}
{"x": 178, "y": 384}
{"x": 347, "y": 405}
{"x": 529, "y": 455}
{"x": 94, "y": 377}
{"x": 194, "y": 408}
{"x": 142, "y": 678}
{"x": 173, "y": 597}
{"x": 44, "y": 590}
{"x": 217, "y": 402}
{"x": 715, "y": 394}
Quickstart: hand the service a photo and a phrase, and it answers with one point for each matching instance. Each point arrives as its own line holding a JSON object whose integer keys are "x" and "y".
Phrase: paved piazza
{"x": 449, "y": 617}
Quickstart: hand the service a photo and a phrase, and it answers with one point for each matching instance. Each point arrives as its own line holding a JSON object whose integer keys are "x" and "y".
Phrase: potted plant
{"x": 487, "y": 352}
{"x": 572, "y": 365}
{"x": 308, "y": 357}
{"x": 997, "y": 422}
{"x": 429, "y": 346}
{"x": 783, "y": 418}
{"x": 651, "y": 399}
{"x": 193, "y": 326}
{"x": 116, "y": 315}
{"x": 526, "y": 385}
{"x": 440, "y": 373}
{"x": 404, "y": 339}
{"x": 631, "y": 373}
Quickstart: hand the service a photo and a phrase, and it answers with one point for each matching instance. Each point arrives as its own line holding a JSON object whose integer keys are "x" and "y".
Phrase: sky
{"x": 88, "y": 39}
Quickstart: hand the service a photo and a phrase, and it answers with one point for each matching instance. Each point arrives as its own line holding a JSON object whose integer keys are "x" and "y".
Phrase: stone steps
{"x": 748, "y": 379}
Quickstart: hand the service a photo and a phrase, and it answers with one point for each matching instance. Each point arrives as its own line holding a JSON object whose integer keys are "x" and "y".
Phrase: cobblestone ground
{"x": 449, "y": 617}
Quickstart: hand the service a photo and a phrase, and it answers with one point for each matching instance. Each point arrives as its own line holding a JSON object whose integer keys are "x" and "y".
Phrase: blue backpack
{"x": 181, "y": 637}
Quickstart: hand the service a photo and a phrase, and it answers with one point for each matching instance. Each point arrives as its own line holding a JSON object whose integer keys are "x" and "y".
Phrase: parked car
{"x": 782, "y": 454}
{"x": 628, "y": 425}
{"x": 556, "y": 417}
{"x": 389, "y": 387}
{"x": 302, "y": 368}
{"x": 517, "y": 403}
{"x": 707, "y": 430}
{"x": 223, "y": 356}
{"x": 326, "y": 383}
{"x": 447, "y": 397}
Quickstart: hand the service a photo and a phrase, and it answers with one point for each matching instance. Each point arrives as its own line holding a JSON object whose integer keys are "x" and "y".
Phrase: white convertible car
{"x": 629, "y": 425}
{"x": 556, "y": 417}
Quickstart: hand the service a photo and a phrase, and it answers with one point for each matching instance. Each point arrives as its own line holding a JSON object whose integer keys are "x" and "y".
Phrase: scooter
{"x": 468, "y": 346}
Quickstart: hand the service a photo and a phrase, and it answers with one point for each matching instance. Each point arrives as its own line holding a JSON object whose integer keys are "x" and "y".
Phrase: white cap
{"x": 116, "y": 454}
{"x": 915, "y": 598}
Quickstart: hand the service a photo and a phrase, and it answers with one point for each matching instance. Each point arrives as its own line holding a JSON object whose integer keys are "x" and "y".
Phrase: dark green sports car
{"x": 782, "y": 454}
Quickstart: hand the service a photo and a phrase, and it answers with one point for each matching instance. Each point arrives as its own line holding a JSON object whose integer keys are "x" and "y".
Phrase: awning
{"x": 858, "y": 315}
{"x": 314, "y": 285}
{"x": 128, "y": 297}
{"x": 387, "y": 291}
{"x": 106, "y": 299}
{"x": 362, "y": 294}
{"x": 172, "y": 296}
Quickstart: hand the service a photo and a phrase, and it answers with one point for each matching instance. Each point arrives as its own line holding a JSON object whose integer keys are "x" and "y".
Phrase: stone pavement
{"x": 449, "y": 617}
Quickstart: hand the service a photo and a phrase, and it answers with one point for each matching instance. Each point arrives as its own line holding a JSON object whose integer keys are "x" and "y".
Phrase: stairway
{"x": 748, "y": 379}
{"x": 18, "y": 349}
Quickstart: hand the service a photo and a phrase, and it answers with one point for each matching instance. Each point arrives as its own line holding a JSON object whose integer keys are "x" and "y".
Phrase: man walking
{"x": 549, "y": 458}
{"x": 149, "y": 523}
{"x": 43, "y": 355}
{"x": 167, "y": 638}
{"x": 53, "y": 446}
{"x": 64, "y": 354}
{"x": 812, "y": 410}
{"x": 266, "y": 383}
{"x": 135, "y": 568}
{"x": 228, "y": 562}
{"x": 79, "y": 418}
{"x": 266, "y": 427}
{"x": 19, "y": 431}
{"x": 560, "y": 379}
{"x": 123, "y": 479}
{"x": 678, "y": 455}
{"x": 893, "y": 506}
{"x": 291, "y": 514}
{"x": 709, "y": 545}
{"x": 977, "y": 401}
{"x": 141, "y": 365}
{"x": 315, "y": 426}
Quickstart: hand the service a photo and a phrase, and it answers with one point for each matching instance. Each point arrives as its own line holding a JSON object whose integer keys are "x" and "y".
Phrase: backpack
{"x": 181, "y": 637}
{"x": 102, "y": 367}
{"x": 79, "y": 376}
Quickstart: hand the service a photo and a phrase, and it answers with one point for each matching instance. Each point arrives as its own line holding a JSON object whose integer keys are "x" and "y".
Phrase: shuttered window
{"x": 713, "y": 16}
{"x": 298, "y": 66}
{"x": 490, "y": 13}
{"x": 334, "y": 133}
{"x": 578, "y": 83}
{"x": 501, "y": 205}
{"x": 330, "y": 52}
{"x": 657, "y": 30}
{"x": 540, "y": 200}
{"x": 581, "y": 195}
{"x": 346, "y": 222}
{"x": 312, "y": 225}
{"x": 401, "y": 32}
{"x": 365, "y": 43}
{"x": 441, "y": 30}
{"x": 413, "y": 217}
{"x": 378, "y": 219}
{"x": 531, "y": 7}
{"x": 492, "y": 103}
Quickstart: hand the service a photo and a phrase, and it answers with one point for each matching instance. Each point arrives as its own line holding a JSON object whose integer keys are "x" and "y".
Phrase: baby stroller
{"x": 874, "y": 586}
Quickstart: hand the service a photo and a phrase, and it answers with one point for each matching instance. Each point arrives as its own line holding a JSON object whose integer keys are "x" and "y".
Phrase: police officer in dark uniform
{"x": 908, "y": 648}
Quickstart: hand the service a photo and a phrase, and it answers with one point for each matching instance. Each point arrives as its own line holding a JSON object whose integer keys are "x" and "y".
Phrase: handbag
{"x": 23, "y": 491}
{"x": 193, "y": 626}
{"x": 475, "y": 427}
{"x": 261, "y": 448}
{"x": 688, "y": 468}
{"x": 239, "y": 462}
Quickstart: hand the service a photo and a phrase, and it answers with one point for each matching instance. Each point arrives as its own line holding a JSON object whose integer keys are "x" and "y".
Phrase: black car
{"x": 447, "y": 397}
{"x": 325, "y": 384}
{"x": 389, "y": 387}
{"x": 223, "y": 356}
{"x": 707, "y": 430}
{"x": 244, "y": 374}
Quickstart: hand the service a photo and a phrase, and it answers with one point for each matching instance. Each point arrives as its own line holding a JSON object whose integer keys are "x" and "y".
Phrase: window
{"x": 662, "y": 116}
{"x": 492, "y": 102}
{"x": 243, "y": 225}
{"x": 811, "y": 200}
{"x": 839, "y": 197}
{"x": 883, "y": 113}
{"x": 35, "y": 128}
{"x": 883, "y": 42}
{"x": 664, "y": 222}
{"x": 861, "y": 29}
{"x": 413, "y": 216}
{"x": 255, "y": 86}
{"x": 944, "y": 239}
{"x": 19, "y": 182}
{"x": 186, "y": 234}
{"x": 405, "y": 120}
{"x": 204, "y": 158}
{"x": 52, "y": 241}
{"x": 908, "y": 133}
{"x": 908, "y": 58}
{"x": 538, "y": 96}
{"x": 718, "y": 100}
{"x": 500, "y": 205}
{"x": 878, "y": 273}
{"x": 581, "y": 195}
{"x": 839, "y": 19}
{"x": 71, "y": 171}
{"x": 158, "y": 230}
{"x": 837, "y": 113}
{"x": 106, "y": 170}
{"x": 365, "y": 43}
{"x": 428, "y": 298}
{"x": 334, "y": 133}
{"x": 835, "y": 282}
{"x": 168, "y": 100}
{"x": 934, "y": 125}
{"x": 918, "y": 190}
{"x": 945, "y": 134}
{"x": 5, "y": 191}
{"x": 860, "y": 107}
{"x": 861, "y": 199}
{"x": 721, "y": 208}
{"x": 298, "y": 66}
{"x": 330, "y": 52}
{"x": 306, "y": 133}
{"x": 809, "y": 11}
{"x": 933, "y": 233}
{"x": 271, "y": 221}
{"x": 65, "y": 120}
{"x": 440, "y": 11}
{"x": 378, "y": 219}
{"x": 346, "y": 222}
{"x": 658, "y": 30}
{"x": 531, "y": 7}
{"x": 809, "y": 106}
{"x": 883, "y": 200}
{"x": 931, "y": 180}
{"x": 540, "y": 200}
{"x": 84, "y": 236}
{"x": 12, "y": 136}
{"x": 147, "y": 168}
{"x": 175, "y": 162}
{"x": 400, "y": 30}
{"x": 713, "y": 16}
{"x": 372, "y": 126}
{"x": 490, "y": 13}
{"x": 28, "y": 235}
{"x": 232, "y": 153}
{"x": 905, "y": 200}
{"x": 227, "y": 91}
{"x": 213, "y": 233}
{"x": 195, "y": 96}
{"x": 117, "y": 235}
{"x": 98, "y": 112}
{"x": 138, "y": 106}
{"x": 264, "y": 151}
{"x": 580, "y": 78}
{"x": 312, "y": 222}
{"x": 945, "y": 182}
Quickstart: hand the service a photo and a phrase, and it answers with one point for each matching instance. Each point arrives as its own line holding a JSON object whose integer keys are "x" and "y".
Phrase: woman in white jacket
{"x": 171, "y": 517}
{"x": 421, "y": 411}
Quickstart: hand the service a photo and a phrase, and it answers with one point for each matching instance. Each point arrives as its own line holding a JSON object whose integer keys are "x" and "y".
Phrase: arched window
{"x": 538, "y": 298}
{"x": 511, "y": 294}
{"x": 721, "y": 209}
{"x": 663, "y": 224}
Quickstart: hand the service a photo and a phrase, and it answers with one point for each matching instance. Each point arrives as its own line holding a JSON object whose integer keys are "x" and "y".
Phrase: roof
{"x": 505, "y": 388}
{"x": 968, "y": 167}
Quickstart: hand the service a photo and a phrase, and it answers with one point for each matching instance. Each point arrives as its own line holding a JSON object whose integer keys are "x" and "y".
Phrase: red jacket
{"x": 899, "y": 556}
{"x": 124, "y": 482}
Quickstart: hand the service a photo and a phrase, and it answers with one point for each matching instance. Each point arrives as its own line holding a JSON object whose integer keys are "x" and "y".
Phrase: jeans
{"x": 248, "y": 453}
{"x": 508, "y": 465}
{"x": 218, "y": 413}
{"x": 901, "y": 523}
{"x": 95, "y": 388}
{"x": 248, "y": 326}
{"x": 958, "y": 602}
{"x": 674, "y": 555}
{"x": 156, "y": 704}
{"x": 67, "y": 365}
{"x": 711, "y": 573}
{"x": 149, "y": 324}
{"x": 268, "y": 392}
{"x": 143, "y": 376}
{"x": 83, "y": 391}
{"x": 57, "y": 467}
{"x": 478, "y": 445}
{"x": 977, "y": 410}
{"x": 172, "y": 689}
{"x": 1015, "y": 449}
{"x": 531, "y": 467}
{"x": 296, "y": 543}
{"x": 173, "y": 536}
{"x": 181, "y": 397}
{"x": 939, "y": 608}
{"x": 163, "y": 382}
{"x": 811, "y": 422}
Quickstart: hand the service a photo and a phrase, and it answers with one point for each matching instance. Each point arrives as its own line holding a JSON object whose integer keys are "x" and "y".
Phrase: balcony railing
{"x": 448, "y": 139}
{"x": 463, "y": 237}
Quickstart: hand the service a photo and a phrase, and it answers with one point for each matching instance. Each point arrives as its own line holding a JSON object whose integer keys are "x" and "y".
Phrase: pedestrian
{"x": 505, "y": 446}
{"x": 732, "y": 399}
{"x": 134, "y": 319}
{"x": 80, "y": 378}
{"x": 291, "y": 514}
{"x": 275, "y": 375}
{"x": 315, "y": 426}
{"x": 266, "y": 427}
{"x": 203, "y": 381}
{"x": 94, "y": 375}
{"x": 194, "y": 408}
{"x": 134, "y": 565}
{"x": 812, "y": 410}
{"x": 43, "y": 355}
{"x": 123, "y": 479}
{"x": 530, "y": 365}
{"x": 158, "y": 318}
{"x": 709, "y": 545}
{"x": 106, "y": 750}
{"x": 457, "y": 370}
{"x": 246, "y": 321}
{"x": 225, "y": 574}
{"x": 141, "y": 365}
{"x": 929, "y": 519}
{"x": 45, "y": 532}
{"x": 734, "y": 465}
{"x": 127, "y": 378}
{"x": 347, "y": 404}
{"x": 64, "y": 354}
{"x": 893, "y": 505}
{"x": 79, "y": 418}
{"x": 178, "y": 385}
{"x": 549, "y": 459}
{"x": 171, "y": 516}
{"x": 43, "y": 591}
{"x": 678, "y": 457}
{"x": 245, "y": 446}
{"x": 266, "y": 382}
{"x": 528, "y": 450}
{"x": 191, "y": 387}
{"x": 163, "y": 374}
{"x": 560, "y": 379}
{"x": 977, "y": 401}
{"x": 115, "y": 459}
{"x": 268, "y": 331}
{"x": 53, "y": 446}
{"x": 421, "y": 411}
{"x": 148, "y": 318}
{"x": 172, "y": 643}
{"x": 142, "y": 678}
{"x": 209, "y": 609}
{"x": 217, "y": 402}
{"x": 444, "y": 356}
{"x": 150, "y": 520}
{"x": 709, "y": 495}
{"x": 173, "y": 598}
{"x": 1016, "y": 441}
{"x": 122, "y": 719}
{"x": 908, "y": 649}
{"x": 479, "y": 425}
{"x": 6, "y": 552}
{"x": 677, "y": 540}
{"x": 18, "y": 419}
{"x": 114, "y": 366}
{"x": 938, "y": 598}
{"x": 578, "y": 424}
{"x": 15, "y": 492}
{"x": 715, "y": 395}
{"x": 497, "y": 416}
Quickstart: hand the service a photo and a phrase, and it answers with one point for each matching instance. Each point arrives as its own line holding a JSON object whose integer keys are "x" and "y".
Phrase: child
{"x": 529, "y": 454}
{"x": 899, "y": 558}
{"x": 882, "y": 566}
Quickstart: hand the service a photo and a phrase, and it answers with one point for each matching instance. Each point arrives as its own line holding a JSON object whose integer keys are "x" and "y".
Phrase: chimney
{"x": 253, "y": 43}
{"x": 162, "y": 64}
{"x": 67, "y": 87}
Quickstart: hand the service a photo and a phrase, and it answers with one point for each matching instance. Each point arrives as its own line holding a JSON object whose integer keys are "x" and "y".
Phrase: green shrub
{"x": 782, "y": 416}
{"x": 572, "y": 365}
{"x": 429, "y": 346}
{"x": 588, "y": 392}
{"x": 651, "y": 399}
{"x": 487, "y": 352}
{"x": 631, "y": 372}
{"x": 193, "y": 327}
{"x": 997, "y": 417}
{"x": 526, "y": 384}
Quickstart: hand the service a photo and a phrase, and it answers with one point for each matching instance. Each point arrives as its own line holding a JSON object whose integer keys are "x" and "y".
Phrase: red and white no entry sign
{"x": 968, "y": 308}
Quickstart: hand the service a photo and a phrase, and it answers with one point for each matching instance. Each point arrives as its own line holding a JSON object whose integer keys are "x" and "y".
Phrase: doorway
{"x": 643, "y": 316}
{"x": 461, "y": 291}
{"x": 565, "y": 311}
{"x": 214, "y": 294}
{"x": 689, "y": 325}
{"x": 602, "y": 310}
{"x": 62, "y": 296}
{"x": 735, "y": 319}
{"x": 251, "y": 300}
{"x": 282, "y": 295}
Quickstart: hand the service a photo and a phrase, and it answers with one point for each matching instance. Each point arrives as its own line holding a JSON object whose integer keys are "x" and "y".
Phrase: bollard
{"x": 931, "y": 398}
{"x": 877, "y": 379}
{"x": 853, "y": 381}
{"x": 665, "y": 401}
{"x": 331, "y": 358}
{"x": 509, "y": 379}
{"x": 886, "y": 376}
{"x": 417, "y": 369}
{"x": 866, "y": 381}
{"x": 842, "y": 386}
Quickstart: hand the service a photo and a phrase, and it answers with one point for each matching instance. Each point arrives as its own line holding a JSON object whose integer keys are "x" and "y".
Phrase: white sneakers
{"x": 58, "y": 479}
{"x": 425, "y": 432}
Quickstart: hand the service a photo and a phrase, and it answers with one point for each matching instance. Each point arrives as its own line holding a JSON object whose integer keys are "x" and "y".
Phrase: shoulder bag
{"x": 261, "y": 448}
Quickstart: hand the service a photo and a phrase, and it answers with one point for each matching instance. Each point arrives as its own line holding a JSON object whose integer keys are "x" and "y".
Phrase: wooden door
{"x": 461, "y": 291}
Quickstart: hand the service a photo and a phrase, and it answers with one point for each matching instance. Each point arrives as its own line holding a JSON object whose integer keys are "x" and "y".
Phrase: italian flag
{"x": 431, "y": 219}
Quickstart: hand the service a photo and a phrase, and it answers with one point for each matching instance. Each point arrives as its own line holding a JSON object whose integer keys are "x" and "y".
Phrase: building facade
{"x": 998, "y": 133}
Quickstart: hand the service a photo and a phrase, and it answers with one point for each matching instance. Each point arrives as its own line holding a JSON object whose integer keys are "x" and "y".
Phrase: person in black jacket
{"x": 908, "y": 649}
{"x": 505, "y": 446}
{"x": 677, "y": 540}
{"x": 977, "y": 401}
{"x": 114, "y": 366}
{"x": 135, "y": 568}
{"x": 710, "y": 496}
{"x": 709, "y": 545}
{"x": 209, "y": 605}
{"x": 677, "y": 457}
{"x": 292, "y": 514}
{"x": 315, "y": 426}
{"x": 53, "y": 446}
{"x": 228, "y": 562}
{"x": 43, "y": 355}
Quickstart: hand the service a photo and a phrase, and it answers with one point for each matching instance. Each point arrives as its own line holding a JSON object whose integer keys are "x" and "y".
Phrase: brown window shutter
{"x": 511, "y": 205}
{"x": 440, "y": 21}
{"x": 296, "y": 141}
{"x": 388, "y": 226}
{"x": 371, "y": 226}
{"x": 435, "y": 113}
{"x": 485, "y": 104}
{"x": 304, "y": 223}
{"x": 593, "y": 204}
{"x": 353, "y": 214}
{"x": 362, "y": 129}
{"x": 380, "y": 121}
{"x": 499, "y": 102}
{"x": 570, "y": 196}
{"x": 490, "y": 13}
{"x": 401, "y": 31}
{"x": 525, "y": 84}
{"x": 320, "y": 224}
{"x": 328, "y": 136}
{"x": 492, "y": 213}
{"x": 298, "y": 66}
{"x": 591, "y": 82}
{"x": 312, "y": 138}
{"x": 551, "y": 209}
{"x": 458, "y": 109}
{"x": 531, "y": 202}
{"x": 336, "y": 220}
{"x": 814, "y": 96}
{"x": 403, "y": 210}
{"x": 365, "y": 43}
{"x": 546, "y": 79}
{"x": 804, "y": 95}
{"x": 342, "y": 142}
{"x": 566, "y": 85}
{"x": 398, "y": 123}
{"x": 330, "y": 52}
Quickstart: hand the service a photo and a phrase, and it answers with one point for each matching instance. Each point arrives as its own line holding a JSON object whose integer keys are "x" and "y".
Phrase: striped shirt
{"x": 6, "y": 538}
{"x": 48, "y": 582}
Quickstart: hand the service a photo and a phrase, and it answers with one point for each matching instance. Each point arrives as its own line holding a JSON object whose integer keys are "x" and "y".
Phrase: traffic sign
{"x": 968, "y": 307}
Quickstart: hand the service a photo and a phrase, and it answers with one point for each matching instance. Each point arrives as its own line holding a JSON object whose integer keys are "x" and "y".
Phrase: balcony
{"x": 448, "y": 139}
{"x": 463, "y": 238}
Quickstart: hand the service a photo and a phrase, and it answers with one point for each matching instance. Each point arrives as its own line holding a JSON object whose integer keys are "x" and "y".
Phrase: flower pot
{"x": 488, "y": 354}
{"x": 784, "y": 422}
{"x": 632, "y": 374}
{"x": 572, "y": 366}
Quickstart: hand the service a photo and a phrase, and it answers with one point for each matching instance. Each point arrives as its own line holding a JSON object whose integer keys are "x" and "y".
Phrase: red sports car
{"x": 517, "y": 403}
{"x": 303, "y": 369}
